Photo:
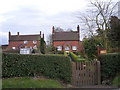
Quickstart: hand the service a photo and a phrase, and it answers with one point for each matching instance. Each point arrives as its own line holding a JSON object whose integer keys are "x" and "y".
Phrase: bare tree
{"x": 96, "y": 18}
{"x": 104, "y": 10}
{"x": 98, "y": 15}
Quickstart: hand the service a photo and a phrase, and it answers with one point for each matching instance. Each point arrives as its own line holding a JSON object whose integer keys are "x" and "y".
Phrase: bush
{"x": 76, "y": 58}
{"x": 16, "y": 65}
{"x": 110, "y": 66}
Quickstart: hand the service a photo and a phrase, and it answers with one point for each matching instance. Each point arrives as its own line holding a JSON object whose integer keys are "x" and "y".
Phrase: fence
{"x": 86, "y": 73}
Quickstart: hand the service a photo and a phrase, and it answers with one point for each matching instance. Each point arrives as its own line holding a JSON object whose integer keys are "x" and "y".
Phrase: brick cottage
{"x": 67, "y": 40}
{"x": 24, "y": 41}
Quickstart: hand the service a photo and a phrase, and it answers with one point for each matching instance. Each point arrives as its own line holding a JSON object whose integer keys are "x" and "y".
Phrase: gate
{"x": 86, "y": 73}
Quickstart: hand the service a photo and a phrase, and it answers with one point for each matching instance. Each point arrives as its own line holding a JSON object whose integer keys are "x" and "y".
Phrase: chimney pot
{"x": 9, "y": 33}
{"x": 43, "y": 36}
{"x": 78, "y": 28}
{"x": 53, "y": 29}
{"x": 18, "y": 33}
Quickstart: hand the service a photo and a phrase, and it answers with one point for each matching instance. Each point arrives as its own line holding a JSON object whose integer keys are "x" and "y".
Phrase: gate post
{"x": 98, "y": 73}
{"x": 73, "y": 73}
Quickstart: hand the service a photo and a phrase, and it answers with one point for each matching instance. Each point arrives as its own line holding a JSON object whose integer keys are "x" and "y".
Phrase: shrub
{"x": 110, "y": 65}
{"x": 16, "y": 65}
{"x": 65, "y": 54}
{"x": 76, "y": 58}
{"x": 42, "y": 46}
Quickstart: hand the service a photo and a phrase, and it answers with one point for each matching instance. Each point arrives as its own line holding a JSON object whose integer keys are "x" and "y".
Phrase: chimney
{"x": 9, "y": 35}
{"x": 43, "y": 36}
{"x": 18, "y": 33}
{"x": 78, "y": 28}
{"x": 40, "y": 34}
{"x": 53, "y": 29}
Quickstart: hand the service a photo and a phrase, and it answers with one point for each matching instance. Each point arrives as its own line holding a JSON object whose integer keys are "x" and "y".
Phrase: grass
{"x": 30, "y": 83}
{"x": 116, "y": 81}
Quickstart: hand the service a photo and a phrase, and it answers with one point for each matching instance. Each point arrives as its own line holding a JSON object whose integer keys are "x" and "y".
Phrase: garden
{"x": 25, "y": 68}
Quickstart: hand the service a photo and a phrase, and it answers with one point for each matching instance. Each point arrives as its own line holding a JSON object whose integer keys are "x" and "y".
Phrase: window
{"x": 74, "y": 48}
{"x": 67, "y": 48}
{"x": 59, "y": 48}
{"x": 13, "y": 48}
{"x": 34, "y": 41}
{"x": 25, "y": 42}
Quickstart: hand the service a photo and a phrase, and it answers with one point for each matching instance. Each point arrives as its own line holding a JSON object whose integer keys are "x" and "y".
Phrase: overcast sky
{"x": 33, "y": 16}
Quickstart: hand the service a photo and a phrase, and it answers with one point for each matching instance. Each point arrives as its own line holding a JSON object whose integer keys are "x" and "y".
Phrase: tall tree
{"x": 97, "y": 18}
{"x": 42, "y": 46}
{"x": 114, "y": 32}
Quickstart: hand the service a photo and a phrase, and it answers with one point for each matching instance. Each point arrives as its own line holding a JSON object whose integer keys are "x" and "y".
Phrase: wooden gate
{"x": 86, "y": 73}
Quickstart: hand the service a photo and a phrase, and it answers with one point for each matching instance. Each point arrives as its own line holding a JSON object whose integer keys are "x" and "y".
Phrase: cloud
{"x": 32, "y": 16}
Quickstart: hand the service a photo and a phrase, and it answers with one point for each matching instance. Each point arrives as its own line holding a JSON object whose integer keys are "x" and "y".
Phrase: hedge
{"x": 76, "y": 58}
{"x": 110, "y": 65}
{"x": 52, "y": 66}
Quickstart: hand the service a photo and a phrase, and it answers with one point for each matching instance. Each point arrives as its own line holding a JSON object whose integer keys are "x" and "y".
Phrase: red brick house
{"x": 24, "y": 41}
{"x": 67, "y": 40}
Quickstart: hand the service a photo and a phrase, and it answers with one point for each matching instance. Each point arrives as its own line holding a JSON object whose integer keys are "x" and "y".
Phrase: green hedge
{"x": 16, "y": 65}
{"x": 110, "y": 65}
{"x": 76, "y": 58}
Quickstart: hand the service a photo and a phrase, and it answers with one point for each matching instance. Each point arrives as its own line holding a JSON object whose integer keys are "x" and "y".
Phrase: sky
{"x": 33, "y": 16}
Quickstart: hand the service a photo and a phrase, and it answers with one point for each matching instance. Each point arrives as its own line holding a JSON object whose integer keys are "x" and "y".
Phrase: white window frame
{"x": 67, "y": 48}
{"x": 59, "y": 48}
{"x": 25, "y": 42}
{"x": 74, "y": 48}
{"x": 13, "y": 48}
{"x": 34, "y": 41}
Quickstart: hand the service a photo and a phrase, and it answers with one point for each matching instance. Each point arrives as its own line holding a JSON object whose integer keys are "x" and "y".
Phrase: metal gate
{"x": 86, "y": 73}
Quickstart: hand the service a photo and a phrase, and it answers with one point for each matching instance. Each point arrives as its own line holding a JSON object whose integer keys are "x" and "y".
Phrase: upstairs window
{"x": 25, "y": 42}
{"x": 34, "y": 42}
{"x": 59, "y": 48}
{"x": 74, "y": 48}
{"x": 67, "y": 48}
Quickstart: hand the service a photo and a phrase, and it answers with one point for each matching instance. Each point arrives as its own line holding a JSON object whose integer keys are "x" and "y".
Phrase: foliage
{"x": 60, "y": 52}
{"x": 52, "y": 66}
{"x": 76, "y": 58}
{"x": 90, "y": 47}
{"x": 42, "y": 46}
{"x": 58, "y": 29}
{"x": 65, "y": 54}
{"x": 26, "y": 82}
{"x": 110, "y": 65}
{"x": 114, "y": 32}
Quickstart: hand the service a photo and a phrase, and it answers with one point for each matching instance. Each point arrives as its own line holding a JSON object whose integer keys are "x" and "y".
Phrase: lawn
{"x": 30, "y": 83}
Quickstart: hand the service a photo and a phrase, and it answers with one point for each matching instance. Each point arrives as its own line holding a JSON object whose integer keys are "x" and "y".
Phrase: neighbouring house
{"x": 16, "y": 42}
{"x": 4, "y": 47}
{"x": 67, "y": 40}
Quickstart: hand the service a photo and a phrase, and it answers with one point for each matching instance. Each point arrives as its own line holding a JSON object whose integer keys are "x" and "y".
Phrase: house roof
{"x": 24, "y": 37}
{"x": 65, "y": 36}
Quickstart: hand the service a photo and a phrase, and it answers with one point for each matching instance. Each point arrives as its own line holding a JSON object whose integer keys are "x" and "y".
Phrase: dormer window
{"x": 25, "y": 42}
{"x": 34, "y": 41}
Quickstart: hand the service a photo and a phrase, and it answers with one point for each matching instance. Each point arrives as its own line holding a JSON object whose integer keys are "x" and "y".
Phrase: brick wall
{"x": 18, "y": 44}
{"x": 70, "y": 43}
